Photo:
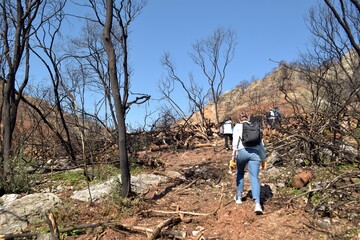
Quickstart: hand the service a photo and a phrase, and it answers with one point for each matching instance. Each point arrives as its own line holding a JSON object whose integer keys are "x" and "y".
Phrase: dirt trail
{"x": 208, "y": 191}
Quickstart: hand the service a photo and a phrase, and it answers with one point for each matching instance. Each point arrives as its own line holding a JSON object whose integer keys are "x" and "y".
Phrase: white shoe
{"x": 258, "y": 209}
{"x": 237, "y": 200}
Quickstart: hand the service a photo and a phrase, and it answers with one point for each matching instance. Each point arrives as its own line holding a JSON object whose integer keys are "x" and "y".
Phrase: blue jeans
{"x": 251, "y": 157}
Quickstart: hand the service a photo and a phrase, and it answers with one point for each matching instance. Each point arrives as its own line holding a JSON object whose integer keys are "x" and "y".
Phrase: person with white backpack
{"x": 248, "y": 149}
{"x": 228, "y": 132}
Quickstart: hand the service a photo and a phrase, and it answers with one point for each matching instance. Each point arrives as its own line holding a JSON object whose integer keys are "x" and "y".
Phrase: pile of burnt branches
{"x": 335, "y": 190}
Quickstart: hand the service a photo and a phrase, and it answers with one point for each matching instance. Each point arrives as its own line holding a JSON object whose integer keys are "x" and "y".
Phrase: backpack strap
{"x": 240, "y": 136}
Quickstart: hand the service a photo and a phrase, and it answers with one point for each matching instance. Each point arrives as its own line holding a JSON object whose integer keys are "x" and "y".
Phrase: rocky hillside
{"x": 256, "y": 98}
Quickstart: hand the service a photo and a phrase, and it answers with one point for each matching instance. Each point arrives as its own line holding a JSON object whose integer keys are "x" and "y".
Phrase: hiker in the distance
{"x": 228, "y": 132}
{"x": 271, "y": 118}
{"x": 251, "y": 156}
{"x": 277, "y": 115}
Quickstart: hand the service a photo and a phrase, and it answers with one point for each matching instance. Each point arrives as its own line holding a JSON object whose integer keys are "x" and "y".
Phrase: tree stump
{"x": 301, "y": 179}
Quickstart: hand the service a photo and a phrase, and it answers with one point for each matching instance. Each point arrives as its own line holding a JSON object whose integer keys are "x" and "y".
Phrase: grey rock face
{"x": 17, "y": 213}
{"x": 139, "y": 184}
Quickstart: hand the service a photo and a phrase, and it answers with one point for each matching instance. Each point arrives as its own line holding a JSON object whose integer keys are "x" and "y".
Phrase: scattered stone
{"x": 274, "y": 159}
{"x": 324, "y": 223}
{"x": 44, "y": 236}
{"x": 197, "y": 230}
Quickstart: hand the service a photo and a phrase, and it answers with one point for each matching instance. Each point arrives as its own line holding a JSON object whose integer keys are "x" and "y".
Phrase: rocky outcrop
{"x": 139, "y": 184}
{"x": 17, "y": 212}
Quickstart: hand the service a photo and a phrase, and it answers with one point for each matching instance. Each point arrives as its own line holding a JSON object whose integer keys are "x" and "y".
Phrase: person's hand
{"x": 232, "y": 163}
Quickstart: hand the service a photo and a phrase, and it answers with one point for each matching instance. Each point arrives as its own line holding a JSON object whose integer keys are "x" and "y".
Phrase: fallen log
{"x": 159, "y": 227}
{"x": 200, "y": 145}
{"x": 17, "y": 235}
{"x": 177, "y": 212}
{"x": 155, "y": 148}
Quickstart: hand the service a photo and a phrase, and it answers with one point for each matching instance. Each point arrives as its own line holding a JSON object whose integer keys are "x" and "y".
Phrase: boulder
{"x": 17, "y": 213}
{"x": 139, "y": 184}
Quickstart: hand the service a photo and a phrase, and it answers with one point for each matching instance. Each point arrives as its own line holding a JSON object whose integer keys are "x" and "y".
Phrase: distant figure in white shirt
{"x": 271, "y": 118}
{"x": 228, "y": 132}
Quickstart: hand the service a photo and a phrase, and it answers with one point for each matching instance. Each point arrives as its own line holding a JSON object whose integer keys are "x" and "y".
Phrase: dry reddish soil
{"x": 203, "y": 202}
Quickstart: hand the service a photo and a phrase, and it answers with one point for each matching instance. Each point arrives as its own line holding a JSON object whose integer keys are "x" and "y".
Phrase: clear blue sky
{"x": 266, "y": 30}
